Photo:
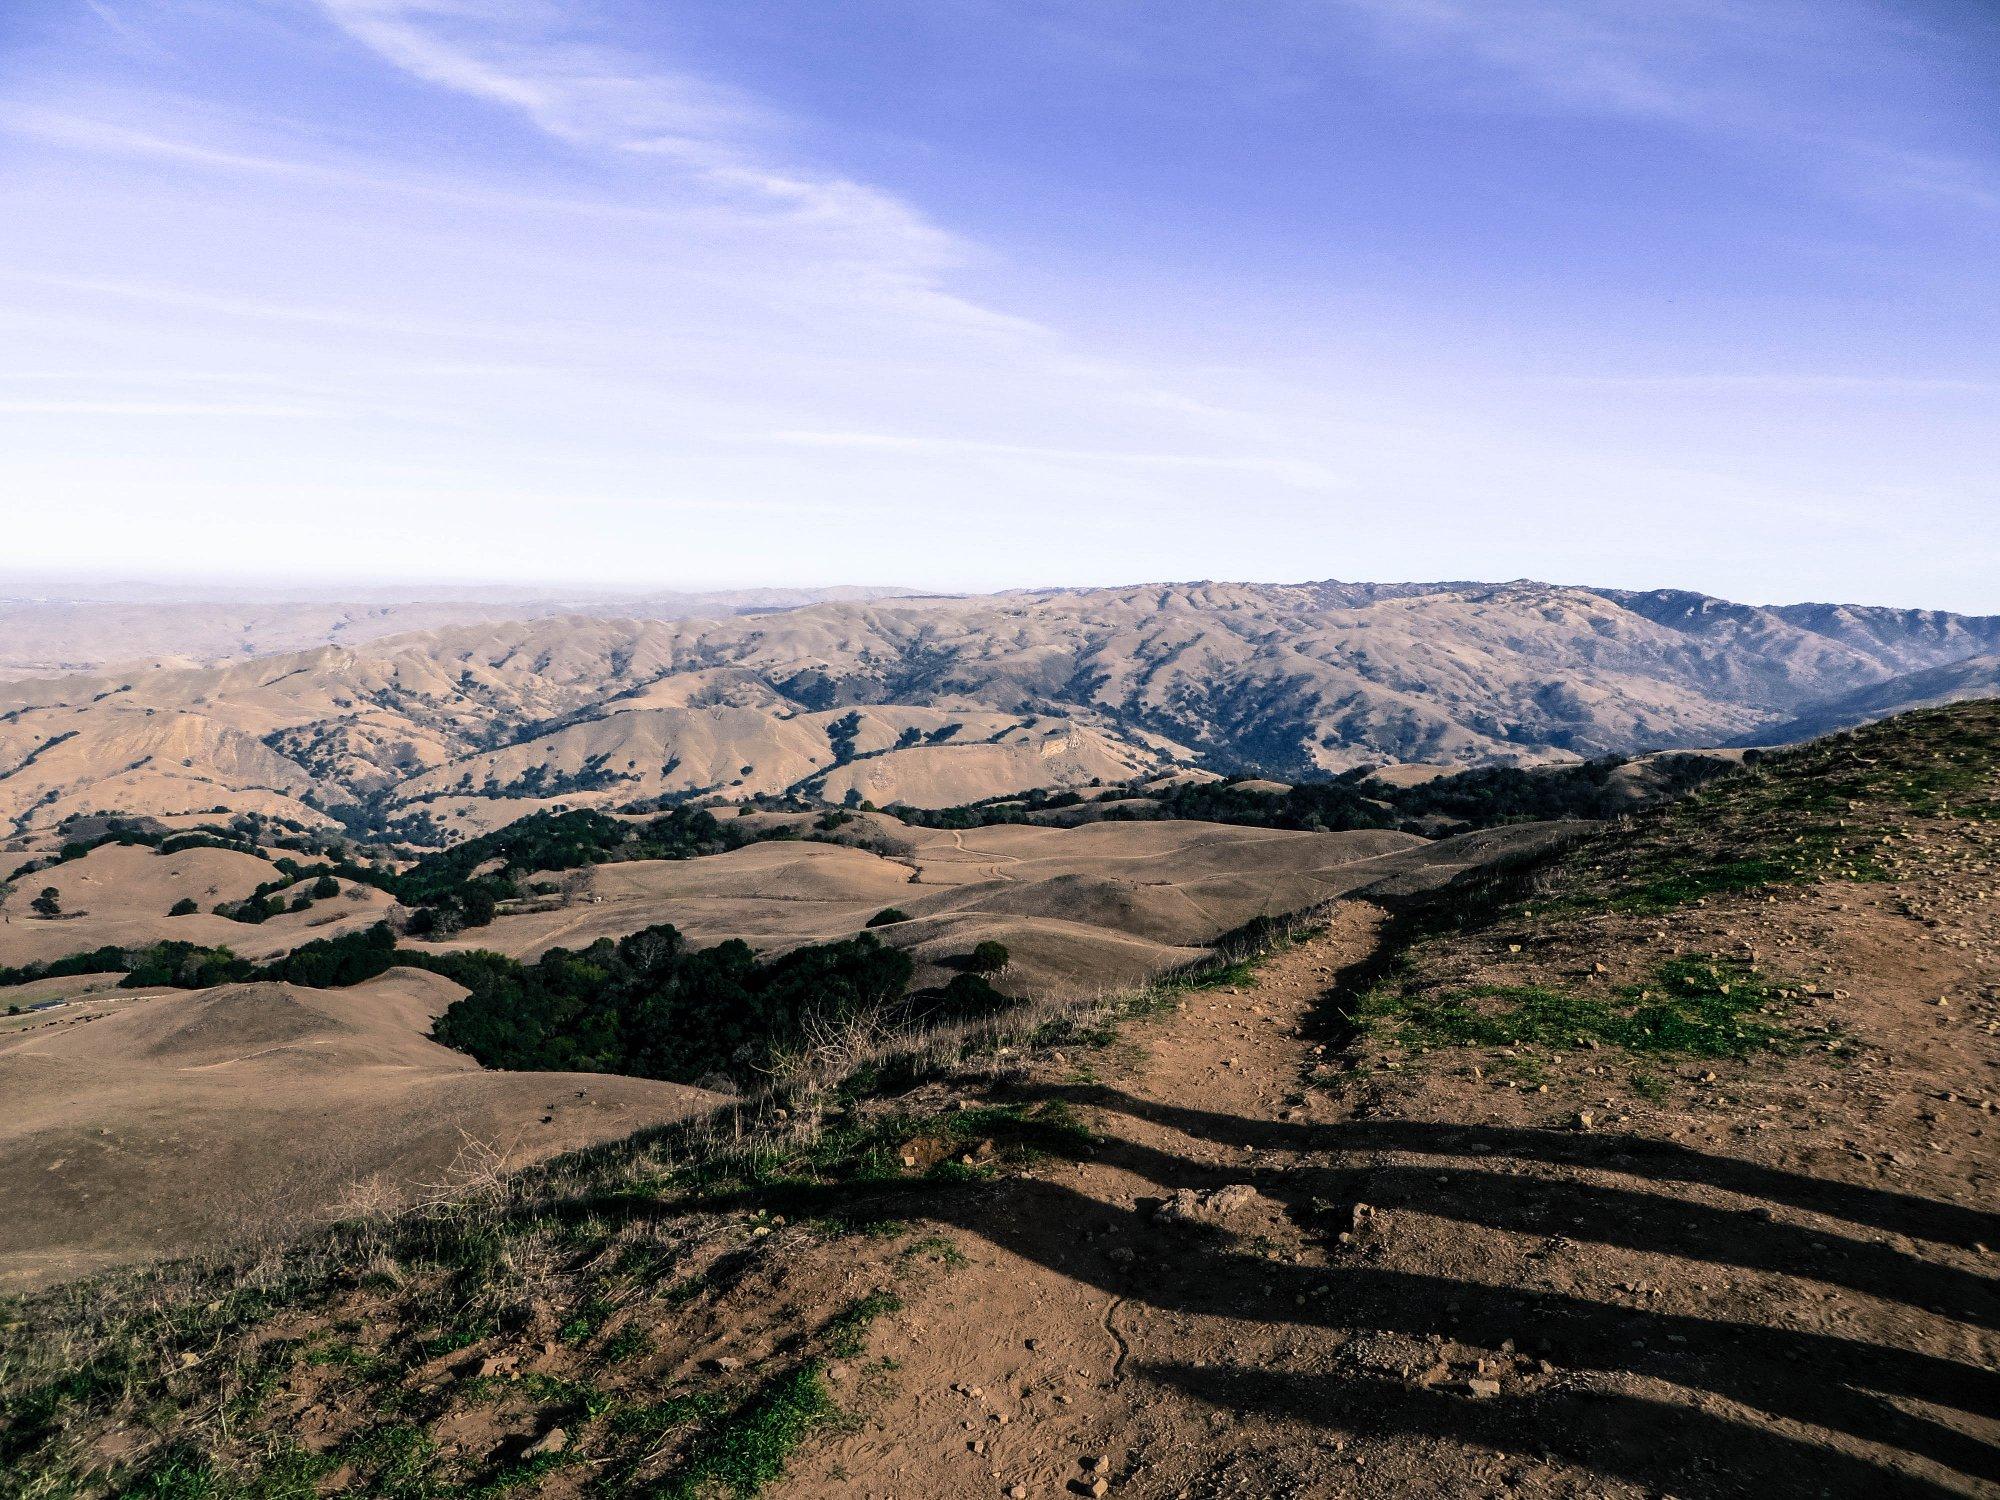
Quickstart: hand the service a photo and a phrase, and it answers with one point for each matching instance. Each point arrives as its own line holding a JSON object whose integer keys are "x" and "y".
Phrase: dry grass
{"x": 153, "y": 1377}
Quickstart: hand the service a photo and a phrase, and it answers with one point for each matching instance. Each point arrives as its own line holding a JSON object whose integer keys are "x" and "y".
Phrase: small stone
{"x": 1018, "y": 1492}
{"x": 1481, "y": 1390}
{"x": 552, "y": 1441}
{"x": 722, "y": 1364}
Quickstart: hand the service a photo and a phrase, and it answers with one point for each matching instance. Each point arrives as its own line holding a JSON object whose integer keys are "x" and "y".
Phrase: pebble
{"x": 552, "y": 1441}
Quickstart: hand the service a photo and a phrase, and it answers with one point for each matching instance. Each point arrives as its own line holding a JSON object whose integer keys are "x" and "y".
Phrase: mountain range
{"x": 938, "y": 700}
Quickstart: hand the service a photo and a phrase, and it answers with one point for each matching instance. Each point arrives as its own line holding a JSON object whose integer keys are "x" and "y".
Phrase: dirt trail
{"x": 1251, "y": 1289}
{"x": 993, "y": 860}
{"x": 1045, "y": 1349}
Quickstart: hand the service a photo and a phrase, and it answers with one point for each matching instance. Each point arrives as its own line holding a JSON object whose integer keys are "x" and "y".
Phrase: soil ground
{"x": 1457, "y": 1291}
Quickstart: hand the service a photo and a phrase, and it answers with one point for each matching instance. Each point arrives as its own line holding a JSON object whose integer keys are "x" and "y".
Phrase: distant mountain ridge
{"x": 49, "y": 627}
{"x": 933, "y": 700}
{"x": 1955, "y": 682}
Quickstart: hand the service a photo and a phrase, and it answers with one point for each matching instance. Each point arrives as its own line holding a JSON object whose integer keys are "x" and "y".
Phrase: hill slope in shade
{"x": 1975, "y": 677}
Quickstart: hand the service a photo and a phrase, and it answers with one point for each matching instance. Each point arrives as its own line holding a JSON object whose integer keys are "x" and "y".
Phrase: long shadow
{"x": 1652, "y": 1443}
{"x": 1819, "y": 1379}
{"x": 1640, "y": 1221}
{"x": 1826, "y": 1381}
{"x": 1666, "y": 1161}
{"x": 1649, "y": 1223}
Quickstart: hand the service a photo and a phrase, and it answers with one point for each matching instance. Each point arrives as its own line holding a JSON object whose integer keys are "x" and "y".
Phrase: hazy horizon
{"x": 78, "y": 587}
{"x": 979, "y": 297}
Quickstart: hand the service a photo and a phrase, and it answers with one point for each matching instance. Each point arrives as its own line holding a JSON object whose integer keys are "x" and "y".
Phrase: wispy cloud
{"x": 260, "y": 309}
{"x": 108, "y": 137}
{"x": 1753, "y": 72}
{"x": 1917, "y": 385}
{"x": 594, "y": 96}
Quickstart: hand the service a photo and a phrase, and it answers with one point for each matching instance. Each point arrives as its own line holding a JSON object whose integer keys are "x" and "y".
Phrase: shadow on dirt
{"x": 1888, "y": 1397}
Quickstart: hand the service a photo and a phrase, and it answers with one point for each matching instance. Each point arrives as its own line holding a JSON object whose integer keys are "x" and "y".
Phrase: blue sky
{"x": 971, "y": 294}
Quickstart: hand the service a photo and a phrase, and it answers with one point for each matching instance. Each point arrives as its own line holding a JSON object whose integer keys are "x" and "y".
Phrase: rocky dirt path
{"x": 1042, "y": 1354}
{"x": 1250, "y": 1288}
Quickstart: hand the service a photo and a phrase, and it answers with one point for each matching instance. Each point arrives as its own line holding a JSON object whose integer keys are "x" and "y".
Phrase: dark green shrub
{"x": 988, "y": 957}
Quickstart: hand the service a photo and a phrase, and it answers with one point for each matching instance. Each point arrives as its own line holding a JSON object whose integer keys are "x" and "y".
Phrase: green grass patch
{"x": 661, "y": 1417}
{"x": 584, "y": 1324}
{"x": 846, "y": 1332}
{"x": 744, "y": 1451}
{"x": 1692, "y": 1007}
{"x": 936, "y": 1247}
{"x": 628, "y": 1342}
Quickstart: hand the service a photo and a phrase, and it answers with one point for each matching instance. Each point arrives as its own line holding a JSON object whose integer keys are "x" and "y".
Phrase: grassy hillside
{"x": 1773, "y": 999}
{"x": 1644, "y": 940}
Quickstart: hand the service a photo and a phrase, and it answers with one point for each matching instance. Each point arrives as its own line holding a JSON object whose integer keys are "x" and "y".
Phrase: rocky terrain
{"x": 933, "y": 702}
{"x": 1656, "y": 1161}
